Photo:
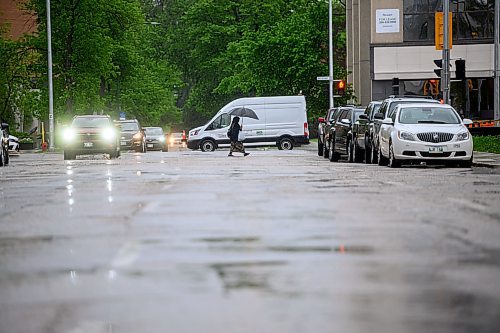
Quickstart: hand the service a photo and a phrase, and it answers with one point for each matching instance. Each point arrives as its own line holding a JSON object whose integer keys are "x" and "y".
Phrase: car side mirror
{"x": 467, "y": 122}
{"x": 363, "y": 116}
{"x": 379, "y": 116}
{"x": 321, "y": 120}
{"x": 5, "y": 126}
{"x": 387, "y": 121}
{"x": 346, "y": 121}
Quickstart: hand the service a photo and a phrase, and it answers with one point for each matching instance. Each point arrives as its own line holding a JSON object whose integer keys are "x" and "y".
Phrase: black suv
{"x": 4, "y": 144}
{"x": 362, "y": 128}
{"x": 323, "y": 123}
{"x": 132, "y": 136}
{"x": 340, "y": 139}
{"x": 89, "y": 135}
{"x": 386, "y": 110}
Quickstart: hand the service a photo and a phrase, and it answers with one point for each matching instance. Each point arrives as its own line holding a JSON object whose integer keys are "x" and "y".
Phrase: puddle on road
{"x": 359, "y": 249}
{"x": 230, "y": 239}
{"x": 246, "y": 275}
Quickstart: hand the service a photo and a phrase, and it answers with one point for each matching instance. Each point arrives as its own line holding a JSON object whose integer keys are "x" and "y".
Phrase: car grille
{"x": 435, "y": 137}
{"x": 89, "y": 136}
{"x": 426, "y": 154}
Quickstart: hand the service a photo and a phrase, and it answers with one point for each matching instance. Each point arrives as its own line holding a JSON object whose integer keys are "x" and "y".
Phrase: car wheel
{"x": 358, "y": 153}
{"x": 382, "y": 161}
{"x": 350, "y": 148}
{"x": 285, "y": 144}
{"x": 332, "y": 155}
{"x": 320, "y": 148}
{"x": 207, "y": 145}
{"x": 368, "y": 152}
{"x": 69, "y": 155}
{"x": 393, "y": 163}
{"x": 374, "y": 155}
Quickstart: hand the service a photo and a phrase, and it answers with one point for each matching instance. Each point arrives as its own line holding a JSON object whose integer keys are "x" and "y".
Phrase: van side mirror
{"x": 379, "y": 116}
{"x": 321, "y": 120}
{"x": 363, "y": 116}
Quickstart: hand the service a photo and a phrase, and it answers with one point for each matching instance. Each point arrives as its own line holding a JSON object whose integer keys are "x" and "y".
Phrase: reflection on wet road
{"x": 275, "y": 242}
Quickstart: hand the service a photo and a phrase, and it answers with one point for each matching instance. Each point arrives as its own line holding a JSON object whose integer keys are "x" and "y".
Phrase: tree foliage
{"x": 198, "y": 55}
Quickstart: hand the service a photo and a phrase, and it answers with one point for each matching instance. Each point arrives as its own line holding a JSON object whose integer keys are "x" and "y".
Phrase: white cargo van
{"x": 282, "y": 122}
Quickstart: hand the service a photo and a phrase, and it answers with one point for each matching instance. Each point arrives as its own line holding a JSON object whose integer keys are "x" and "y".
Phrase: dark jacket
{"x": 234, "y": 131}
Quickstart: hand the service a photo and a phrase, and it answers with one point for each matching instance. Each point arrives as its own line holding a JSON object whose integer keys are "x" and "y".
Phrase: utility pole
{"x": 497, "y": 62}
{"x": 445, "y": 79}
{"x": 330, "y": 52}
{"x": 51, "y": 98}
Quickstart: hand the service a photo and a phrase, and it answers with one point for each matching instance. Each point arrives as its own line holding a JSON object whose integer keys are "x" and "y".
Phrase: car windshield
{"x": 89, "y": 122}
{"x": 395, "y": 104}
{"x": 428, "y": 115}
{"x": 153, "y": 131}
{"x": 129, "y": 126}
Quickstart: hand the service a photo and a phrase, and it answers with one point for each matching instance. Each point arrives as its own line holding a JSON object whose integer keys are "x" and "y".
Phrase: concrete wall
{"x": 381, "y": 6}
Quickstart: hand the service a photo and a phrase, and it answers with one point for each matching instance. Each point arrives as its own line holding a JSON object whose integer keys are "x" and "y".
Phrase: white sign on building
{"x": 387, "y": 21}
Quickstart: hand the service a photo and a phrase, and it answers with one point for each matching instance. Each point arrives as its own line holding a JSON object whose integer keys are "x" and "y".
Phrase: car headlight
{"x": 69, "y": 134}
{"x": 108, "y": 134}
{"x": 463, "y": 136}
{"x": 138, "y": 135}
{"x": 161, "y": 139}
{"x": 406, "y": 136}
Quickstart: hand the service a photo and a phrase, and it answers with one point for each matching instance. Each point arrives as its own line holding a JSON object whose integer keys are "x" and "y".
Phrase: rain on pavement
{"x": 279, "y": 241}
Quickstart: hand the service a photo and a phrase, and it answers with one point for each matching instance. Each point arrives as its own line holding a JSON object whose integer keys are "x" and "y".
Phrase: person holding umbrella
{"x": 233, "y": 133}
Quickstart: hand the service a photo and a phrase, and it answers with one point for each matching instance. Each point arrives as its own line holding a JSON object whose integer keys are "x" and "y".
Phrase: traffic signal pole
{"x": 330, "y": 52}
{"x": 496, "y": 96}
{"x": 445, "y": 79}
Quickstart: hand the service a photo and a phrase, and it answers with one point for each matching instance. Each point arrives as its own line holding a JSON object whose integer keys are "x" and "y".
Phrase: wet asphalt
{"x": 279, "y": 241}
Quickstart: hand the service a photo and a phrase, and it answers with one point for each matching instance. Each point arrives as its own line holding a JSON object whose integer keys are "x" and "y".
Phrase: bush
{"x": 490, "y": 144}
{"x": 26, "y": 140}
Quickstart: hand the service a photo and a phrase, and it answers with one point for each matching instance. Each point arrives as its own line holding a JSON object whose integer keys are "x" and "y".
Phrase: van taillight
{"x": 306, "y": 130}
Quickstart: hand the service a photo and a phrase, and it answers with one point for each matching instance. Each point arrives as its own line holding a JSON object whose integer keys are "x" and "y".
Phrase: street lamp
{"x": 49, "y": 60}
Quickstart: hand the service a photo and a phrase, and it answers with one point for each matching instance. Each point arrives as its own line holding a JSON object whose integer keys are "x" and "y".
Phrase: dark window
{"x": 472, "y": 19}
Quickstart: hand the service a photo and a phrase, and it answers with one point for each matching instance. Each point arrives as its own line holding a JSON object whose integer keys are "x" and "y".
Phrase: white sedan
{"x": 423, "y": 132}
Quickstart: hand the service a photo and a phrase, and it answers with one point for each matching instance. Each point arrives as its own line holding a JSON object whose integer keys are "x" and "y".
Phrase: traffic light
{"x": 341, "y": 88}
{"x": 395, "y": 86}
{"x": 460, "y": 69}
{"x": 439, "y": 63}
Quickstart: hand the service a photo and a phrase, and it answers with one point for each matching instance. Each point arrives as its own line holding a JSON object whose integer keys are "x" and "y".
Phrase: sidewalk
{"x": 488, "y": 160}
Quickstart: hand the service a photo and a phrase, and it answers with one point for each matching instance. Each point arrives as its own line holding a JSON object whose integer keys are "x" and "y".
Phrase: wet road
{"x": 274, "y": 242}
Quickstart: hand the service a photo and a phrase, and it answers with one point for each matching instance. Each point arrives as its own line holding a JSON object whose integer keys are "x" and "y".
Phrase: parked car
{"x": 132, "y": 136}
{"x": 322, "y": 124}
{"x": 282, "y": 121}
{"x": 155, "y": 139}
{"x": 327, "y": 131}
{"x": 362, "y": 128}
{"x": 386, "y": 110}
{"x": 89, "y": 135}
{"x": 13, "y": 143}
{"x": 4, "y": 144}
{"x": 424, "y": 132}
{"x": 340, "y": 140}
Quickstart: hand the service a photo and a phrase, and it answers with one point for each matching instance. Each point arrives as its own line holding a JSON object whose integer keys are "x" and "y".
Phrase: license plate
{"x": 123, "y": 143}
{"x": 150, "y": 145}
{"x": 436, "y": 150}
{"x": 88, "y": 144}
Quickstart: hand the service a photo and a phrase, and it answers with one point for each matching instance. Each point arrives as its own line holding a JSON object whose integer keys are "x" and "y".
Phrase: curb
{"x": 485, "y": 165}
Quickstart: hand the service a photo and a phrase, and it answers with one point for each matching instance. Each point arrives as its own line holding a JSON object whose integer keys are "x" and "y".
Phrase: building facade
{"x": 391, "y": 49}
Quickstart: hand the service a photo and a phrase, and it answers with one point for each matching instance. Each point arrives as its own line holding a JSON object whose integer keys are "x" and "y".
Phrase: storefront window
{"x": 472, "y": 19}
